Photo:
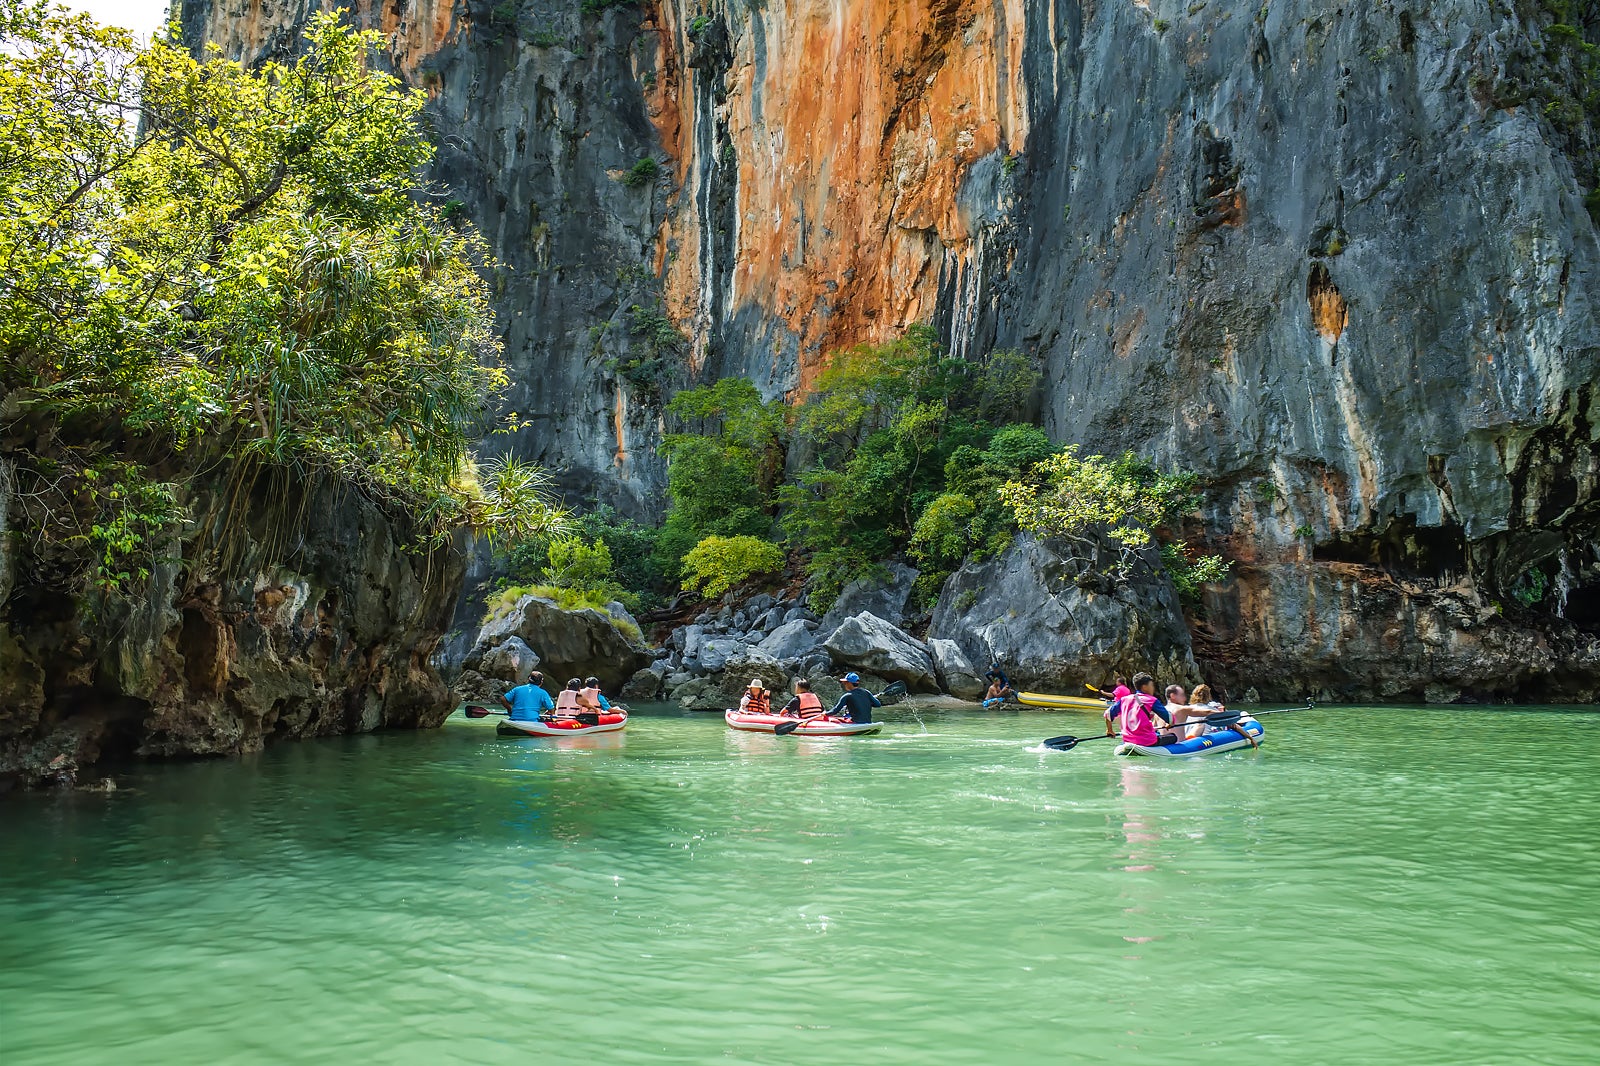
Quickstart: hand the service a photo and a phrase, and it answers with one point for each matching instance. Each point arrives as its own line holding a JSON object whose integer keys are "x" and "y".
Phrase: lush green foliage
{"x": 1126, "y": 498}
{"x": 717, "y": 564}
{"x": 599, "y": 555}
{"x": 896, "y": 428}
{"x": 723, "y": 464}
{"x": 195, "y": 255}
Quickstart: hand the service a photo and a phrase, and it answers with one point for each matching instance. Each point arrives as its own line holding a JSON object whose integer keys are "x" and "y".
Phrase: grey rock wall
{"x": 1318, "y": 252}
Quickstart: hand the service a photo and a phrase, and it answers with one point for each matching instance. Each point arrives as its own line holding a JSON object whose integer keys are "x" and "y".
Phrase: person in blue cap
{"x": 530, "y": 702}
{"x": 857, "y": 702}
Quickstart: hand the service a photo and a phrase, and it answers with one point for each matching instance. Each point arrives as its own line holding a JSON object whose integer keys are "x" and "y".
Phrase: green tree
{"x": 717, "y": 564}
{"x": 242, "y": 266}
{"x": 1126, "y": 498}
{"x": 720, "y": 479}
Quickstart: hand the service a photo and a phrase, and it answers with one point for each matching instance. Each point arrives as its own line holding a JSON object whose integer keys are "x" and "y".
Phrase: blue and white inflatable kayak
{"x": 1210, "y": 744}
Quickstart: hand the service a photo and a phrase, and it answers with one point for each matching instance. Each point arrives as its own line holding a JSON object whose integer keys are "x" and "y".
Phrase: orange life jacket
{"x": 589, "y": 699}
{"x": 810, "y": 704}
{"x": 567, "y": 702}
{"x": 757, "y": 702}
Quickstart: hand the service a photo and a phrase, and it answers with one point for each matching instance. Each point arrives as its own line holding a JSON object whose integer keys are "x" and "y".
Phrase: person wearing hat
{"x": 857, "y": 702}
{"x": 529, "y": 702}
{"x": 756, "y": 699}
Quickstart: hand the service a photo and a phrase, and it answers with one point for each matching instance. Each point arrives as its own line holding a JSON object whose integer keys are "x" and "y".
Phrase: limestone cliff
{"x": 1333, "y": 256}
{"x": 283, "y": 610}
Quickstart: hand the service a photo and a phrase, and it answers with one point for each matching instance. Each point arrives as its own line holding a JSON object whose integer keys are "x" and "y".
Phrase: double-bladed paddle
{"x": 783, "y": 729}
{"x": 583, "y": 717}
{"x": 1221, "y": 718}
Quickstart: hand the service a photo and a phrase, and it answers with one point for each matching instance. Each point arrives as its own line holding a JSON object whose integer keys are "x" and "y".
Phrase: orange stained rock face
{"x": 415, "y": 29}
{"x": 853, "y": 128}
{"x": 1329, "y": 312}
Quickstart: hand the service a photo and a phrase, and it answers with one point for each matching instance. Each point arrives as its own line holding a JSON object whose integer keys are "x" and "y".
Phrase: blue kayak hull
{"x": 1210, "y": 744}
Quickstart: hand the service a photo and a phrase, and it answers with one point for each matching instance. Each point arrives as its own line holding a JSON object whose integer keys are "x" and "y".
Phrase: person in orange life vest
{"x": 756, "y": 699}
{"x": 568, "y": 702}
{"x": 805, "y": 703}
{"x": 592, "y": 684}
{"x": 1138, "y": 713}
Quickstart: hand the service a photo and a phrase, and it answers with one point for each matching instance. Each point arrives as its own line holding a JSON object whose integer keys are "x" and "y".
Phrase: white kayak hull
{"x": 812, "y": 727}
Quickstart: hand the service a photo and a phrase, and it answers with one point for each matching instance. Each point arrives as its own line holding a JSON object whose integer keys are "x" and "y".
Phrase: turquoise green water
{"x": 1375, "y": 886}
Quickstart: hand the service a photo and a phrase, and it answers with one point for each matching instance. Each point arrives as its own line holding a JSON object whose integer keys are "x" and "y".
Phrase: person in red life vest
{"x": 756, "y": 699}
{"x": 1138, "y": 712}
{"x": 805, "y": 704}
{"x": 568, "y": 702}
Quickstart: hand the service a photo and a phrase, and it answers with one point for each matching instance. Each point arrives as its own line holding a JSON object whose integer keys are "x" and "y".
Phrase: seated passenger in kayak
{"x": 1188, "y": 716}
{"x": 1138, "y": 712}
{"x": 756, "y": 699}
{"x": 856, "y": 702}
{"x": 1201, "y": 706}
{"x": 805, "y": 704}
{"x": 568, "y": 702}
{"x": 591, "y": 689}
{"x": 528, "y": 702}
{"x": 592, "y": 685}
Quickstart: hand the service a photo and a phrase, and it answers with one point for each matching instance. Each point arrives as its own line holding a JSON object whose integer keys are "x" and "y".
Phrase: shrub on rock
{"x": 717, "y": 564}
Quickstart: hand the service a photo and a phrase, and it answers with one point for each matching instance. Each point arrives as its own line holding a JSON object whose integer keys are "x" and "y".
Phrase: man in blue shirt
{"x": 857, "y": 702}
{"x": 530, "y": 702}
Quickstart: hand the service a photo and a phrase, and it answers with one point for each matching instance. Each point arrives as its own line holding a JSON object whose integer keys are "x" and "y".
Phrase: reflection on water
{"x": 686, "y": 893}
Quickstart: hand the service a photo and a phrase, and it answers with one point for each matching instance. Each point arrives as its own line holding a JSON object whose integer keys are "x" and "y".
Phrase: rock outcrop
{"x": 869, "y": 644}
{"x": 240, "y": 636}
{"x": 956, "y": 675}
{"x": 886, "y": 596}
{"x": 1335, "y": 259}
{"x": 1048, "y": 614}
{"x": 582, "y": 643}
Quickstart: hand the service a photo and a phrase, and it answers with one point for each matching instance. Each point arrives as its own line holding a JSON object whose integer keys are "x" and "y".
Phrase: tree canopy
{"x": 192, "y": 251}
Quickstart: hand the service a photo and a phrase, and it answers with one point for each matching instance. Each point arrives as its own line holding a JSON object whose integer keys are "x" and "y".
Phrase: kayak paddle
{"x": 783, "y": 729}
{"x": 584, "y": 717}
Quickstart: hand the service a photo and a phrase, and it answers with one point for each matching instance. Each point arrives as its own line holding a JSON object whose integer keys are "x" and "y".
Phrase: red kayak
{"x": 561, "y": 727}
{"x": 824, "y": 726}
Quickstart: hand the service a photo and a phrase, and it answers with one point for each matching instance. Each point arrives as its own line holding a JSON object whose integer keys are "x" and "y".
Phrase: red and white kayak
{"x": 825, "y": 726}
{"x": 610, "y": 722}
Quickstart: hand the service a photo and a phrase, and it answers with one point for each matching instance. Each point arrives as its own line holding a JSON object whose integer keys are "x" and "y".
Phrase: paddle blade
{"x": 1061, "y": 743}
{"x": 480, "y": 712}
{"x": 783, "y": 729}
{"x": 587, "y": 718}
{"x": 893, "y": 692}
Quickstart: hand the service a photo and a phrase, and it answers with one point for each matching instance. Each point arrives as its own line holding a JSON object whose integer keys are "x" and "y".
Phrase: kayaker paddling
{"x": 856, "y": 702}
{"x": 528, "y": 702}
{"x": 1138, "y": 711}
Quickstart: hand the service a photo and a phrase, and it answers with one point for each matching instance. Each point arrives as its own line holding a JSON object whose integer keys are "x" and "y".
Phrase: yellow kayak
{"x": 1073, "y": 703}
